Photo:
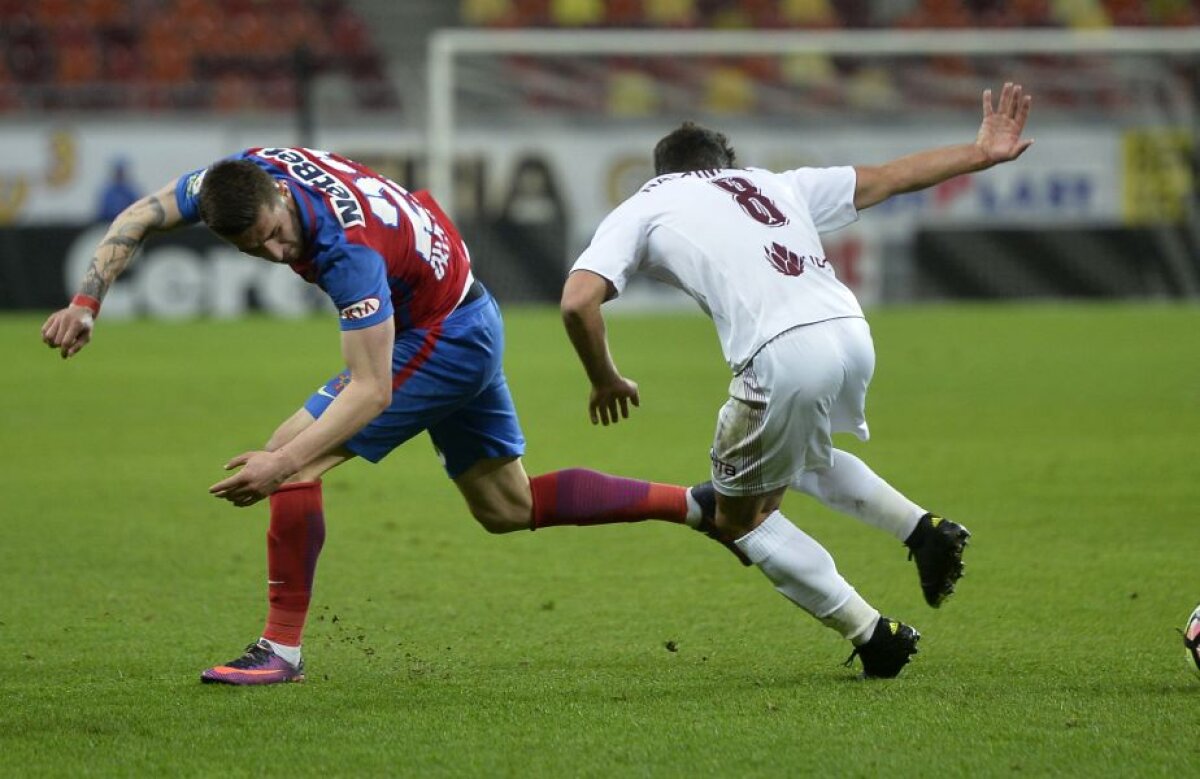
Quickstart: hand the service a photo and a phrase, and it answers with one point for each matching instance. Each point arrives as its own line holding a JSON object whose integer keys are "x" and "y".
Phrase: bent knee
{"x": 736, "y": 518}
{"x": 497, "y": 521}
{"x": 733, "y": 528}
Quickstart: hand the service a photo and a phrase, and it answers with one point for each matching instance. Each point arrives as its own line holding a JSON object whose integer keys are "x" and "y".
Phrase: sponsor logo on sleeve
{"x": 193, "y": 183}
{"x": 360, "y": 310}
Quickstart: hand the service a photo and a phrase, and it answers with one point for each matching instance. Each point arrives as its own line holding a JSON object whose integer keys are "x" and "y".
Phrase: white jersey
{"x": 744, "y": 243}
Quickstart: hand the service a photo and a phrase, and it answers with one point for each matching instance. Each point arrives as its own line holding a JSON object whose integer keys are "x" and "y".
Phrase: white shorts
{"x": 803, "y": 386}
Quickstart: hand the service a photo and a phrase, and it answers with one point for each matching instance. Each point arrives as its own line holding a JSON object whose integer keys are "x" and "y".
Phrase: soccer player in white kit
{"x": 744, "y": 243}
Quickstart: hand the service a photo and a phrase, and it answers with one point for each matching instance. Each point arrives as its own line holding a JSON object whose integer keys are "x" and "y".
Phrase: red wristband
{"x": 88, "y": 302}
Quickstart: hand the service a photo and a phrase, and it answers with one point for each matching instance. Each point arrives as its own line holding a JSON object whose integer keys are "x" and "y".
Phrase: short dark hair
{"x": 232, "y": 194}
{"x": 692, "y": 147}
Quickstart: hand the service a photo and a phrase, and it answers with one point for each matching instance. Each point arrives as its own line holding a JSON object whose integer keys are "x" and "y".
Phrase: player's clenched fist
{"x": 68, "y": 330}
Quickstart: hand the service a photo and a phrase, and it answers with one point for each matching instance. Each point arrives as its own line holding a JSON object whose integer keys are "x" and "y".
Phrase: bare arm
{"x": 70, "y": 329}
{"x": 999, "y": 140}
{"x": 368, "y": 354}
{"x": 582, "y": 295}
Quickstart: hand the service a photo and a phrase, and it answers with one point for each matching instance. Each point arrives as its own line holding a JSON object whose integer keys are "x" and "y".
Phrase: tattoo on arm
{"x": 94, "y": 284}
{"x": 123, "y": 240}
{"x": 160, "y": 213}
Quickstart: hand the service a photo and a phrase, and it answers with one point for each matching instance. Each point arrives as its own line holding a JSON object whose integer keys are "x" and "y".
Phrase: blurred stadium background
{"x": 104, "y": 99}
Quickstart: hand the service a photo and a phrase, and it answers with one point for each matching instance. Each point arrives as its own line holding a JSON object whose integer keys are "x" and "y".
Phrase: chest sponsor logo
{"x": 345, "y": 205}
{"x": 360, "y": 310}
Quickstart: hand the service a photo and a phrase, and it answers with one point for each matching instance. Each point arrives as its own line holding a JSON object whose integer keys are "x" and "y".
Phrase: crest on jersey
{"x": 784, "y": 260}
{"x": 360, "y": 310}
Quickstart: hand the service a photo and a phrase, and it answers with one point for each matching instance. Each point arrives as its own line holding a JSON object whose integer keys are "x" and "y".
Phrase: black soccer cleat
{"x": 706, "y": 496}
{"x": 937, "y": 545}
{"x": 891, "y": 645}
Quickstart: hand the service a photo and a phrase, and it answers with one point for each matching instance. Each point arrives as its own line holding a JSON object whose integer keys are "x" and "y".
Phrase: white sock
{"x": 849, "y": 486}
{"x": 855, "y": 620}
{"x": 289, "y": 653}
{"x": 797, "y": 565}
{"x": 694, "y": 512}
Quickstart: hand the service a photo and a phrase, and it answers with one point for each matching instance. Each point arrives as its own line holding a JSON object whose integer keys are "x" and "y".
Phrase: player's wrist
{"x": 87, "y": 301}
{"x": 603, "y": 374}
{"x": 287, "y": 462}
{"x": 981, "y": 158}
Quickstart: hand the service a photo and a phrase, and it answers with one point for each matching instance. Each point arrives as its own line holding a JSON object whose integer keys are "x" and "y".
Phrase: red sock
{"x": 581, "y": 497}
{"x": 294, "y": 541}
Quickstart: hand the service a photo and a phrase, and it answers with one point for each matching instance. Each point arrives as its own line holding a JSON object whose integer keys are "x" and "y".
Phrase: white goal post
{"x": 446, "y": 46}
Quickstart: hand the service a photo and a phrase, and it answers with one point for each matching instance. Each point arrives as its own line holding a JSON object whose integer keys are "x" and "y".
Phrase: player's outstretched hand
{"x": 68, "y": 330}
{"x": 261, "y": 474}
{"x": 1000, "y": 134}
{"x": 606, "y": 399}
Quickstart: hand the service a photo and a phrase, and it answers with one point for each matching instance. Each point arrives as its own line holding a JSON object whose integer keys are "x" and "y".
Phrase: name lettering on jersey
{"x": 439, "y": 252}
{"x": 702, "y": 174}
{"x": 360, "y": 310}
{"x": 345, "y": 205}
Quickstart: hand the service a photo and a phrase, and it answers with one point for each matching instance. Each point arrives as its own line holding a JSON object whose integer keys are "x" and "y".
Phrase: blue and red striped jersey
{"x": 375, "y": 248}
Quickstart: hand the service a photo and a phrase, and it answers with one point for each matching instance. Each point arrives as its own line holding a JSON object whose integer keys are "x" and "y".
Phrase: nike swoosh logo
{"x": 269, "y": 581}
{"x": 326, "y": 393}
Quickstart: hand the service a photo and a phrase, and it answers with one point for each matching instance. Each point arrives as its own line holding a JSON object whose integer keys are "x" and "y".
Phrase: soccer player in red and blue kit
{"x": 422, "y": 342}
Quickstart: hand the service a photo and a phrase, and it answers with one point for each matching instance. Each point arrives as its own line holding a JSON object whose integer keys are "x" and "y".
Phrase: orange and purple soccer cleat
{"x": 259, "y": 665}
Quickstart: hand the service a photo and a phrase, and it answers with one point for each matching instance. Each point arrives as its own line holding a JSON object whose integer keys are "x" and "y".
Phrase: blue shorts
{"x": 449, "y": 380}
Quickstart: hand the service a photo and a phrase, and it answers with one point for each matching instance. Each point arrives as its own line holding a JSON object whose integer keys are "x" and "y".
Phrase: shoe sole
{"x": 232, "y": 683}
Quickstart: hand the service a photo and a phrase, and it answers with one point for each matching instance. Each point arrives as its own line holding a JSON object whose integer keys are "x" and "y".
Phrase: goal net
{"x": 533, "y": 136}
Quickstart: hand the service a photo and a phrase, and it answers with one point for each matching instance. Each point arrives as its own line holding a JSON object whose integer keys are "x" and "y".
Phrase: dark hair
{"x": 232, "y": 194}
{"x": 692, "y": 147}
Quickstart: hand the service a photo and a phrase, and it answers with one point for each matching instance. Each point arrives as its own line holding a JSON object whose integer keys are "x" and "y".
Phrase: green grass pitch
{"x": 1063, "y": 436}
